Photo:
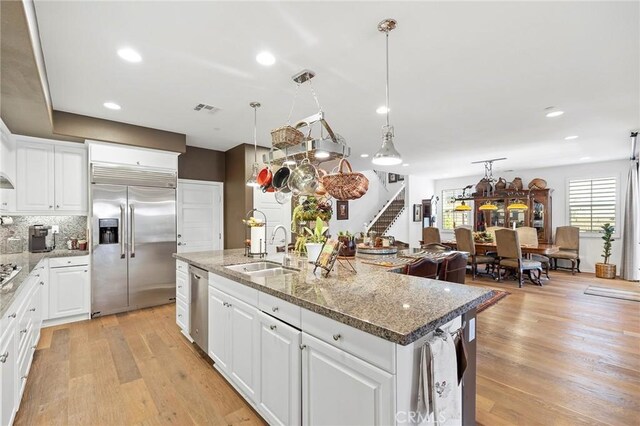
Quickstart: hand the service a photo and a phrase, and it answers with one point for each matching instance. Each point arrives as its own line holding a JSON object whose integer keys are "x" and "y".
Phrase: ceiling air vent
{"x": 206, "y": 108}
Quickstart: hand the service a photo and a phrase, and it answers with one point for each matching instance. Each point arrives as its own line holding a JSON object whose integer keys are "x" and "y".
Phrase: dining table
{"x": 544, "y": 249}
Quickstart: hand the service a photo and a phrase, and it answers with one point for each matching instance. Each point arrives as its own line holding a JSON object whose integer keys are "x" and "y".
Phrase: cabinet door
{"x": 219, "y": 316}
{"x": 339, "y": 388}
{"x": 8, "y": 169}
{"x": 68, "y": 291}
{"x": 8, "y": 376}
{"x": 70, "y": 179}
{"x": 244, "y": 349}
{"x": 35, "y": 309}
{"x": 280, "y": 380}
{"x": 35, "y": 177}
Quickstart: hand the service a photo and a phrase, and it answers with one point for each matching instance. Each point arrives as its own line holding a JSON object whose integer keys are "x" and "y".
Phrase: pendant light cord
{"x": 255, "y": 134}
{"x": 387, "y": 57}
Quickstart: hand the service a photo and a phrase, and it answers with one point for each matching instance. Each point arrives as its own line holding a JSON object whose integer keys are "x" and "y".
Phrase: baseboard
{"x": 66, "y": 320}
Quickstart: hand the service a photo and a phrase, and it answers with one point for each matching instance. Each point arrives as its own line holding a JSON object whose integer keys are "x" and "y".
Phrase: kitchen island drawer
{"x": 373, "y": 349}
{"x": 182, "y": 266}
{"x": 182, "y": 286}
{"x": 285, "y": 311}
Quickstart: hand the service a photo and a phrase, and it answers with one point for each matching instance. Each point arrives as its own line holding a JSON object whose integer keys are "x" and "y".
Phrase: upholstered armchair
{"x": 568, "y": 240}
{"x": 430, "y": 235}
{"x": 464, "y": 242}
{"x": 510, "y": 257}
{"x": 528, "y": 236}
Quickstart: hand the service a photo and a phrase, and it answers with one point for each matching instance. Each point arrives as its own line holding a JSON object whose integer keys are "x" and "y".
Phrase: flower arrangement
{"x": 482, "y": 237}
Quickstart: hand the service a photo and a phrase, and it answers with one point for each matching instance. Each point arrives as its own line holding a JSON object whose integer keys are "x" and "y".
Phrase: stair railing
{"x": 399, "y": 195}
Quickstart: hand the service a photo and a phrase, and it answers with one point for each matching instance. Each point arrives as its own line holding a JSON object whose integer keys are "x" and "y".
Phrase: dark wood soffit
{"x": 85, "y": 127}
{"x": 202, "y": 164}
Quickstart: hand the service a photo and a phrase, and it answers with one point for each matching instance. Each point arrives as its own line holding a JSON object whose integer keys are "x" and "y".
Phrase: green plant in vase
{"x": 315, "y": 239}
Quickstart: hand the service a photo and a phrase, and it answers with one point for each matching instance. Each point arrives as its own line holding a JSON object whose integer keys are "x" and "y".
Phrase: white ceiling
{"x": 469, "y": 80}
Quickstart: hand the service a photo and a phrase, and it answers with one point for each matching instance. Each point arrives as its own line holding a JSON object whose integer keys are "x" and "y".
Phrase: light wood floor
{"x": 549, "y": 355}
{"x": 554, "y": 355}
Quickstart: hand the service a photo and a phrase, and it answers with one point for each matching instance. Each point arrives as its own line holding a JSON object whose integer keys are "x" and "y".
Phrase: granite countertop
{"x": 396, "y": 307}
{"x": 27, "y": 261}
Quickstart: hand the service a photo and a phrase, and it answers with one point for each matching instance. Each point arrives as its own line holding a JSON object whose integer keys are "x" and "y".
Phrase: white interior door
{"x": 199, "y": 216}
{"x": 276, "y": 213}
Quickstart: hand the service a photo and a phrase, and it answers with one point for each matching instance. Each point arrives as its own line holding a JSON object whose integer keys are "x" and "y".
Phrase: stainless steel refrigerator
{"x": 133, "y": 221}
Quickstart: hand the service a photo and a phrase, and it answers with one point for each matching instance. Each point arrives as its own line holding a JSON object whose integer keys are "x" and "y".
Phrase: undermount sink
{"x": 247, "y": 268}
{"x": 271, "y": 272}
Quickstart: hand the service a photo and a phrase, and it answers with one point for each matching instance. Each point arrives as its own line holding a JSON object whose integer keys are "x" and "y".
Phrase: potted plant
{"x": 308, "y": 210}
{"x": 606, "y": 269}
{"x": 315, "y": 240}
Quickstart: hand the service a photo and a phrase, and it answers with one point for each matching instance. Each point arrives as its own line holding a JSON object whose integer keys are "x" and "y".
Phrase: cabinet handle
{"x": 180, "y": 315}
{"x": 23, "y": 331}
{"x": 32, "y": 310}
{"x": 3, "y": 357}
{"x": 198, "y": 277}
{"x": 86, "y": 270}
{"x": 13, "y": 315}
{"x": 179, "y": 236}
{"x": 41, "y": 282}
{"x": 274, "y": 309}
{"x": 179, "y": 286}
{"x": 273, "y": 327}
{"x": 225, "y": 304}
{"x": 50, "y": 207}
{"x": 57, "y": 206}
{"x": 302, "y": 347}
{"x": 336, "y": 337}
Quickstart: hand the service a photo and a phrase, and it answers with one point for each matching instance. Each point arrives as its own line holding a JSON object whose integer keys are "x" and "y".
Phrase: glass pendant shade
{"x": 463, "y": 208}
{"x": 387, "y": 155}
{"x": 253, "y": 180}
{"x": 517, "y": 205}
{"x": 488, "y": 206}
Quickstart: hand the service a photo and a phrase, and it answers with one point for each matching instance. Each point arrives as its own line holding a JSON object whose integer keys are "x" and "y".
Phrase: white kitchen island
{"x": 342, "y": 350}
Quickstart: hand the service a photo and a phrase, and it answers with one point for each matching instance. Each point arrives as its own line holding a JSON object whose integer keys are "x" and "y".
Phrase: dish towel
{"x": 438, "y": 389}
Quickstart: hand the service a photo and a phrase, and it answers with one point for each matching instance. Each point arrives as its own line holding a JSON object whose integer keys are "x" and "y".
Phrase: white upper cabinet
{"x": 70, "y": 178}
{"x": 35, "y": 183}
{"x": 51, "y": 177}
{"x": 7, "y": 169}
{"x": 101, "y": 152}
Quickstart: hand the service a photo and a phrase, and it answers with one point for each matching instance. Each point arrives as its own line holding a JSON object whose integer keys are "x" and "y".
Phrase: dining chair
{"x": 430, "y": 235}
{"x": 528, "y": 236}
{"x": 510, "y": 257}
{"x": 424, "y": 267}
{"x": 454, "y": 268}
{"x": 465, "y": 242}
{"x": 568, "y": 241}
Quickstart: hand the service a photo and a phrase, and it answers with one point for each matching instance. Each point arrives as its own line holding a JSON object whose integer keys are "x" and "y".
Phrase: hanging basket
{"x": 345, "y": 186}
{"x": 286, "y": 136}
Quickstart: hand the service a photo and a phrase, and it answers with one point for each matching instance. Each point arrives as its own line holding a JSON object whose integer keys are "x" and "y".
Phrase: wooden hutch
{"x": 537, "y": 215}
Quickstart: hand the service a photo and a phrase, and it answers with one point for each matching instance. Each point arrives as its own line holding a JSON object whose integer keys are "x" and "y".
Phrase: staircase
{"x": 388, "y": 214}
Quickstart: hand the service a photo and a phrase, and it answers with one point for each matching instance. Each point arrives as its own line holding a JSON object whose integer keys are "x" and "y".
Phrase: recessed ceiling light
{"x": 266, "y": 58}
{"x": 364, "y": 155}
{"x": 129, "y": 55}
{"x": 585, "y": 158}
{"x": 322, "y": 154}
{"x": 570, "y": 138}
{"x": 382, "y": 109}
{"x": 552, "y": 114}
{"x": 111, "y": 105}
{"x": 405, "y": 165}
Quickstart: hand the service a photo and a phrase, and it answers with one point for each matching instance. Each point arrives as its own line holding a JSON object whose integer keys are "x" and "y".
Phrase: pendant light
{"x": 488, "y": 206}
{"x": 517, "y": 205}
{"x": 387, "y": 155}
{"x": 463, "y": 207}
{"x": 253, "y": 180}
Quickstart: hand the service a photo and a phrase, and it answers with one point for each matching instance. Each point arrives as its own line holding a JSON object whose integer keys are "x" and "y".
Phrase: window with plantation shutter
{"x": 592, "y": 203}
{"x": 450, "y": 217}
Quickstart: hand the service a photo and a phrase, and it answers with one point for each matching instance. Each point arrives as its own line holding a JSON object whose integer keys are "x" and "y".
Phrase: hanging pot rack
{"x": 316, "y": 150}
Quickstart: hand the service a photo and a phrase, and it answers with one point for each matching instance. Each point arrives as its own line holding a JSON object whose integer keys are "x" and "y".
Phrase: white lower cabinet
{"x": 280, "y": 379}
{"x": 69, "y": 291}
{"x": 234, "y": 336}
{"x": 339, "y": 388}
{"x": 183, "y": 301}
{"x": 20, "y": 334}
{"x": 8, "y": 376}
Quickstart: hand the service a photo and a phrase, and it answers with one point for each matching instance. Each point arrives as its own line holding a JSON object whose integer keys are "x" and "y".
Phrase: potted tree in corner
{"x": 606, "y": 269}
{"x": 315, "y": 239}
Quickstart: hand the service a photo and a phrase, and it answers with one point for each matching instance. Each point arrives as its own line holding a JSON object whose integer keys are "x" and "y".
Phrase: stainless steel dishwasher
{"x": 199, "y": 303}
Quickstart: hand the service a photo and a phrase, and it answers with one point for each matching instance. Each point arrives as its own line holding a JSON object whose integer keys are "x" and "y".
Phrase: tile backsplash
{"x": 70, "y": 227}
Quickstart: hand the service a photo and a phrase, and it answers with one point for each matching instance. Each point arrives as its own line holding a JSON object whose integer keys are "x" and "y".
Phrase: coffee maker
{"x": 38, "y": 238}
